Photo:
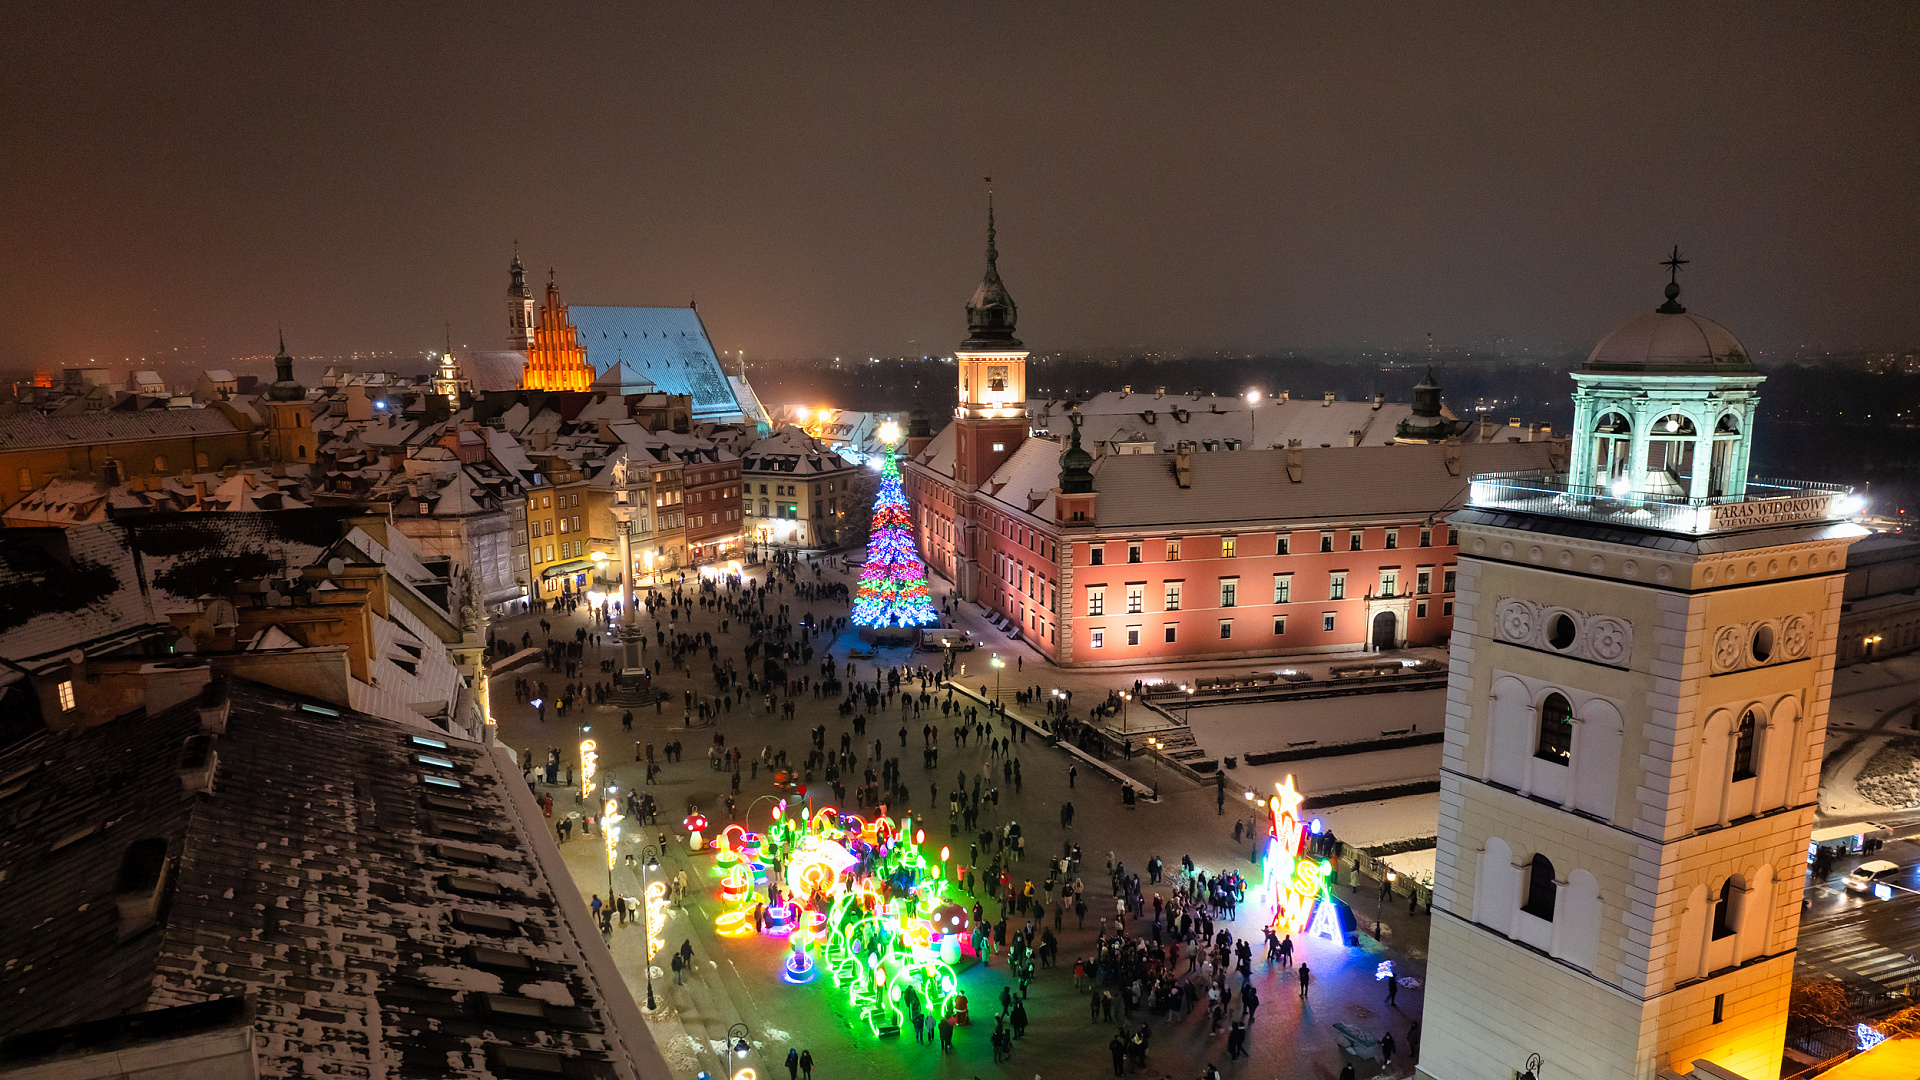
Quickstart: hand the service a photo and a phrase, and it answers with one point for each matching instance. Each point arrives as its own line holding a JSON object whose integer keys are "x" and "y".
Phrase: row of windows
{"x": 1173, "y": 591}
{"x": 1097, "y": 637}
{"x": 1283, "y": 545}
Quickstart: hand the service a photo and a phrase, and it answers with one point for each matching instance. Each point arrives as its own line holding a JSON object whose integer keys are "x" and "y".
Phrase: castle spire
{"x": 991, "y": 313}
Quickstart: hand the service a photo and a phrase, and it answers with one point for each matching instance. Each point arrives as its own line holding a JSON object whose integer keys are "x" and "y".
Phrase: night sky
{"x": 1168, "y": 176}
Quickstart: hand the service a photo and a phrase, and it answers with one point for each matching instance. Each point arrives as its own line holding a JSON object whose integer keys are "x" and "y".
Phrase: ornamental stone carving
{"x": 1761, "y": 643}
{"x": 1601, "y": 639}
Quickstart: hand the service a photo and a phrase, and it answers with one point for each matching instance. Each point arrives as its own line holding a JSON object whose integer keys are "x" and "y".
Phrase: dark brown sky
{"x": 1169, "y": 174}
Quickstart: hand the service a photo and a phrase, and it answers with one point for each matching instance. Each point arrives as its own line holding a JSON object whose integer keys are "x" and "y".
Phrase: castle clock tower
{"x": 990, "y": 422}
{"x": 991, "y": 419}
{"x": 1642, "y": 656}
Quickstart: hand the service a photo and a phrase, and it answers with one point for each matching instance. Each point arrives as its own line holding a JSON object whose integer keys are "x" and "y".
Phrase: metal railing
{"x": 1767, "y": 501}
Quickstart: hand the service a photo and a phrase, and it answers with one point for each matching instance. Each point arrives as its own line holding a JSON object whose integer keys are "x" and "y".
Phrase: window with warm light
{"x": 66, "y": 695}
{"x": 1173, "y": 551}
{"x": 1227, "y": 546}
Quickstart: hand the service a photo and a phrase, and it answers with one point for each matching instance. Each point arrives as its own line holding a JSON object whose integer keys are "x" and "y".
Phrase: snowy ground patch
{"x": 1891, "y": 777}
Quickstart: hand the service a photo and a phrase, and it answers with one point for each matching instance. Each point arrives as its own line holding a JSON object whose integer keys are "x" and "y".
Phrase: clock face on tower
{"x": 997, "y": 378}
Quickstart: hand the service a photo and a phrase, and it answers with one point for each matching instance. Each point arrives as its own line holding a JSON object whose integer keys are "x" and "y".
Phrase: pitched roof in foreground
{"x": 382, "y": 925}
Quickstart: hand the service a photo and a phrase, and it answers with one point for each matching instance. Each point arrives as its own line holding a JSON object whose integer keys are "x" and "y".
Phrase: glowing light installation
{"x": 893, "y": 583}
{"x": 1295, "y": 881}
{"x": 864, "y": 904}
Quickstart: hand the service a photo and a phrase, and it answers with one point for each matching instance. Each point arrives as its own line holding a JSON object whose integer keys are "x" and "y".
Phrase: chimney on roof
{"x": 143, "y": 869}
{"x": 1453, "y": 456}
{"x": 200, "y": 491}
{"x": 110, "y": 473}
{"x": 1296, "y": 469}
{"x": 1486, "y": 428}
{"x": 1183, "y": 465}
{"x": 198, "y": 762}
{"x": 1379, "y": 400}
{"x": 215, "y": 704}
{"x": 1354, "y": 437}
{"x": 1327, "y": 400}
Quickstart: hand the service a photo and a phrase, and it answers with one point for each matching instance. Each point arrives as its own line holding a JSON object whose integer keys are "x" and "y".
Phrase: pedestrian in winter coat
{"x": 1306, "y": 976}
{"x": 1387, "y": 1048}
{"x": 793, "y": 1064}
{"x": 806, "y": 1064}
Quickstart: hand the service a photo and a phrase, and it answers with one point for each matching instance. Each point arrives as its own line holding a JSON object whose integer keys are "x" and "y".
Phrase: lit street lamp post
{"x": 589, "y": 759}
{"x": 997, "y": 665}
{"x": 1153, "y": 747}
{"x": 649, "y": 860}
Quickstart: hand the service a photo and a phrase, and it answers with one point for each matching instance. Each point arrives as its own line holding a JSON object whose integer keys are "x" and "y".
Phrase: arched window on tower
{"x": 1612, "y": 448}
{"x": 1725, "y": 918}
{"x": 1555, "y": 742}
{"x": 1726, "y": 440}
{"x": 1670, "y": 450}
{"x": 1743, "y": 747}
{"x": 1540, "y": 888}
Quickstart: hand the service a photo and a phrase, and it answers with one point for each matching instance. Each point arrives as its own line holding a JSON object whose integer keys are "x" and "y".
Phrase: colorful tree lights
{"x": 1295, "y": 881}
{"x": 893, "y": 583}
{"x": 863, "y": 904}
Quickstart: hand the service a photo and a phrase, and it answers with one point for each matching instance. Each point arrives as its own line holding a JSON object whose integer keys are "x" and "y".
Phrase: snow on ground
{"x": 1239, "y": 729}
{"x": 1891, "y": 777}
{"x": 1417, "y": 865}
{"x": 1370, "y": 824}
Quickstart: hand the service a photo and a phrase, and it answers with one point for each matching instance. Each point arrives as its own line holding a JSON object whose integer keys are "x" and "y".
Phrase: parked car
{"x": 1868, "y": 874}
{"x": 948, "y": 639}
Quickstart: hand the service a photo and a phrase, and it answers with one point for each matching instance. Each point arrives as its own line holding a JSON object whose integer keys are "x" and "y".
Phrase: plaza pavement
{"x": 736, "y": 980}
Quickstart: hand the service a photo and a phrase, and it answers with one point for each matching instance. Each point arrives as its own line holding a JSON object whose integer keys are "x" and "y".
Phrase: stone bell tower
{"x": 1642, "y": 656}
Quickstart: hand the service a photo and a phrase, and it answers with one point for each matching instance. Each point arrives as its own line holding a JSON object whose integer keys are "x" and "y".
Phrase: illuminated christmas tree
{"x": 893, "y": 584}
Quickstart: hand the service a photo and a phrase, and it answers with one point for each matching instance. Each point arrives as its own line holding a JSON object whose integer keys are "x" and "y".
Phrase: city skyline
{"x": 1228, "y": 179}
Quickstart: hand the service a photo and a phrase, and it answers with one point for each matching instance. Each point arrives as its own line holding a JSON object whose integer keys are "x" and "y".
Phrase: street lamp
{"x": 997, "y": 665}
{"x": 589, "y": 759}
{"x": 610, "y": 830}
{"x": 1124, "y": 698}
{"x": 1382, "y": 903}
{"x": 649, "y": 860}
{"x": 1253, "y": 402}
{"x": 737, "y": 1040}
{"x": 1154, "y": 747}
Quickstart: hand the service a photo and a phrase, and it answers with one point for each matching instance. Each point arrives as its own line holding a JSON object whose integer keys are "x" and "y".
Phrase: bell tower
{"x": 520, "y": 319}
{"x": 1642, "y": 656}
{"x": 990, "y": 421}
{"x": 290, "y": 437}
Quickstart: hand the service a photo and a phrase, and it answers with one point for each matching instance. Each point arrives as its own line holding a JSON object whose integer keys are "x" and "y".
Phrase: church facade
{"x": 1642, "y": 658}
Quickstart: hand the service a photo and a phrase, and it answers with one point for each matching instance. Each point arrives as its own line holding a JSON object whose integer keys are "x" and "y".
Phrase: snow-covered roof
{"x": 1363, "y": 483}
{"x": 381, "y": 926}
{"x": 1167, "y": 419}
{"x": 24, "y": 428}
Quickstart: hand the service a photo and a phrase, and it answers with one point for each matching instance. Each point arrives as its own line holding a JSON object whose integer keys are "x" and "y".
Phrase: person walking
{"x": 793, "y": 1064}
{"x": 806, "y": 1065}
{"x": 1306, "y": 976}
{"x": 1393, "y": 989}
{"x": 1387, "y": 1048}
{"x": 679, "y": 971}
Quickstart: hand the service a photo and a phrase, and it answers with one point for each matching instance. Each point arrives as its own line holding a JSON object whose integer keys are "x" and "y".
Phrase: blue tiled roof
{"x": 666, "y": 346}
